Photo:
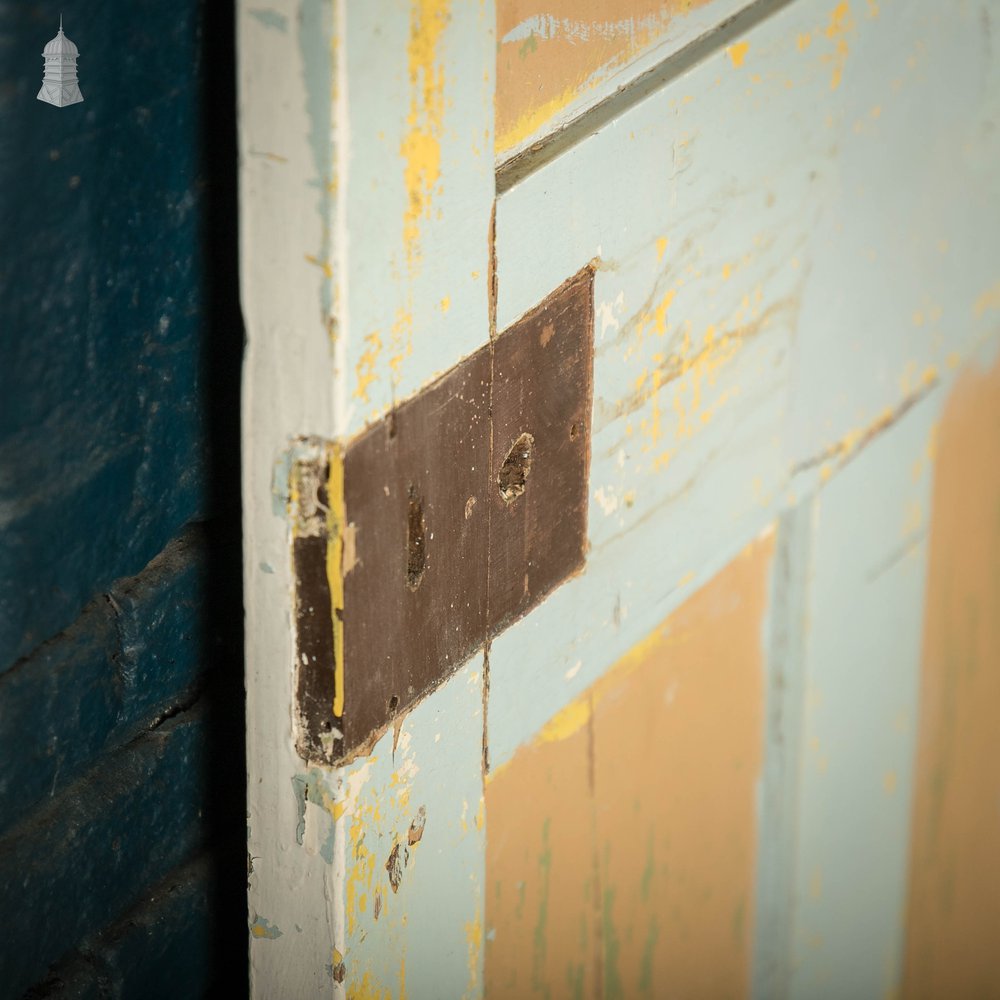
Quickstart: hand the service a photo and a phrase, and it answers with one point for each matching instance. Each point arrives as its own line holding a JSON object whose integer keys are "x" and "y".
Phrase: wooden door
{"x": 620, "y": 450}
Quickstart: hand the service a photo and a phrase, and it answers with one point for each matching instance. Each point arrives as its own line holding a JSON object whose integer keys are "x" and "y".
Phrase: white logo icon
{"x": 59, "y": 85}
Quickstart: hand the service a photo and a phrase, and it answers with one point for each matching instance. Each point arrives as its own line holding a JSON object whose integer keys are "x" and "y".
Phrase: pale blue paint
{"x": 426, "y": 923}
{"x": 315, "y": 20}
{"x": 454, "y": 235}
{"x": 783, "y": 638}
{"x": 861, "y": 688}
{"x": 270, "y": 18}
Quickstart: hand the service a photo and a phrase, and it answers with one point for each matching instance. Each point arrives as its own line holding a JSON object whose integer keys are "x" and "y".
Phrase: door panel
{"x": 792, "y": 237}
{"x": 557, "y": 59}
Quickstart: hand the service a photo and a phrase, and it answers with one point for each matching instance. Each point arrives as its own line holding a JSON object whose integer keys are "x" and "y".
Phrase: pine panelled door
{"x": 621, "y": 430}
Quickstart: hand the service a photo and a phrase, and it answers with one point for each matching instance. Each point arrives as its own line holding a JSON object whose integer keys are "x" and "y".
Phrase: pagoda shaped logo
{"x": 59, "y": 85}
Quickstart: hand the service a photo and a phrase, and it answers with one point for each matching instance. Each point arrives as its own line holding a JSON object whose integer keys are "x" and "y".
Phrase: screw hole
{"x": 513, "y": 475}
{"x": 416, "y": 551}
{"x": 573, "y": 432}
{"x": 393, "y": 703}
{"x": 390, "y": 424}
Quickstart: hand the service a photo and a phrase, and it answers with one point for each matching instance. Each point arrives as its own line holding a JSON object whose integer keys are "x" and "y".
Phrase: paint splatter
{"x": 737, "y": 52}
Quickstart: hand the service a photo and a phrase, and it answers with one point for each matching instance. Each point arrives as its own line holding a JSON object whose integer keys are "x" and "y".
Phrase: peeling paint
{"x": 550, "y": 55}
{"x": 262, "y": 928}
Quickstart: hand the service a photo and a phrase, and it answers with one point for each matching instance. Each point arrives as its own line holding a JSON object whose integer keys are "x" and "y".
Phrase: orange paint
{"x": 551, "y": 53}
{"x": 540, "y": 887}
{"x": 953, "y": 917}
{"x": 737, "y": 53}
{"x": 621, "y": 842}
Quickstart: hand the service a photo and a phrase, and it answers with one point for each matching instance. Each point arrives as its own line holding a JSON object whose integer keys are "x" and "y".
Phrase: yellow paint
{"x": 727, "y": 270}
{"x": 474, "y": 942}
{"x": 840, "y": 26}
{"x": 737, "y": 52}
{"x": 260, "y": 929}
{"x": 324, "y": 265}
{"x": 401, "y": 342}
{"x": 421, "y": 145}
{"x": 532, "y": 121}
{"x": 566, "y": 722}
{"x": 816, "y": 884}
{"x": 661, "y": 247}
{"x": 336, "y": 525}
{"x": 538, "y": 81}
{"x": 445, "y": 304}
{"x": 990, "y": 299}
{"x": 855, "y": 439}
{"x": 365, "y": 369}
{"x": 803, "y": 42}
{"x": 366, "y": 989}
{"x": 913, "y": 517}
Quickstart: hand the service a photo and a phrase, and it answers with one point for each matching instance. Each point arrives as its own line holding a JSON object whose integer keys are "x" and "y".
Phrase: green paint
{"x": 309, "y": 787}
{"x": 315, "y": 33}
{"x": 574, "y": 980}
{"x": 263, "y": 928}
{"x": 648, "y": 871}
{"x": 519, "y": 908}
{"x": 612, "y": 980}
{"x": 529, "y": 45}
{"x": 538, "y": 958}
{"x": 300, "y": 788}
{"x": 270, "y": 18}
{"x": 646, "y": 970}
{"x": 739, "y": 920}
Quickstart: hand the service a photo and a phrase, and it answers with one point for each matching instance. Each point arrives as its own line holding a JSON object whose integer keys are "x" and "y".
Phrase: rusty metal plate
{"x": 415, "y": 596}
{"x": 542, "y": 390}
{"x": 439, "y": 526}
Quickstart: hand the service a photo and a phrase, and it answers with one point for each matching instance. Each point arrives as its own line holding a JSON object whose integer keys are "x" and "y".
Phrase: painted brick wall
{"x": 120, "y": 610}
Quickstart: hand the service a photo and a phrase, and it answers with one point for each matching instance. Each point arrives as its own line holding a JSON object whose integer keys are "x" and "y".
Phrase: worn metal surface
{"x": 416, "y": 581}
{"x": 542, "y": 372}
{"x": 456, "y": 514}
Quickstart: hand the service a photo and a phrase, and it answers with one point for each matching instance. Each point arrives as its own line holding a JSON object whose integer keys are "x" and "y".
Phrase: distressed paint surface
{"x": 726, "y": 337}
{"x": 953, "y": 911}
{"x": 594, "y": 885}
{"x": 414, "y": 255}
{"x": 408, "y": 851}
{"x": 366, "y": 178}
{"x": 558, "y": 57}
{"x": 780, "y": 308}
{"x": 391, "y": 520}
{"x": 859, "y": 675}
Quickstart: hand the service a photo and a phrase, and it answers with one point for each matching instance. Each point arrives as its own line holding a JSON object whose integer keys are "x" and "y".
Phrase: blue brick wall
{"x": 122, "y": 857}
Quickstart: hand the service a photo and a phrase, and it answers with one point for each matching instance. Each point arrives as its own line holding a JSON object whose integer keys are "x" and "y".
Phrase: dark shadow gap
{"x": 220, "y": 391}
